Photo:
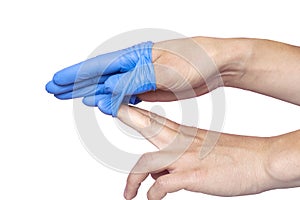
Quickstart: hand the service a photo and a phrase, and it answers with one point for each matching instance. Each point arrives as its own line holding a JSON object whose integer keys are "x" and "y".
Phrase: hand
{"x": 235, "y": 166}
{"x": 175, "y": 69}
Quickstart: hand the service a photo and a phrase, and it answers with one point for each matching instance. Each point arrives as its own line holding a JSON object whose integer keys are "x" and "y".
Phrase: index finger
{"x": 148, "y": 163}
{"x": 156, "y": 129}
{"x": 100, "y": 65}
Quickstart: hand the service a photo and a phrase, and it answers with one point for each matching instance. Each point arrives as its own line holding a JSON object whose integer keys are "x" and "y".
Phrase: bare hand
{"x": 234, "y": 166}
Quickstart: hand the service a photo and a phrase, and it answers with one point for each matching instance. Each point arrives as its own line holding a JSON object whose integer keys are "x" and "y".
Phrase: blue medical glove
{"x": 121, "y": 74}
{"x": 104, "y": 102}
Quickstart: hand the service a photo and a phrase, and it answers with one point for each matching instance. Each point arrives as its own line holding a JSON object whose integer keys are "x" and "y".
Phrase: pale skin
{"x": 237, "y": 165}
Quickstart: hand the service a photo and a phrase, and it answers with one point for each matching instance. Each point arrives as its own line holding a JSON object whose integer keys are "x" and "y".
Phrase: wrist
{"x": 282, "y": 161}
{"x": 230, "y": 56}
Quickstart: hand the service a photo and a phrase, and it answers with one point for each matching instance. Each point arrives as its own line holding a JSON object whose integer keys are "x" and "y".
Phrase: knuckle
{"x": 149, "y": 121}
{"x": 140, "y": 166}
{"x": 144, "y": 162}
{"x": 145, "y": 158}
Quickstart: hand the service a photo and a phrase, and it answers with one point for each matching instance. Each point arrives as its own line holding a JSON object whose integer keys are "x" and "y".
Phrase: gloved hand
{"x": 121, "y": 75}
{"x": 181, "y": 69}
{"x": 187, "y": 160}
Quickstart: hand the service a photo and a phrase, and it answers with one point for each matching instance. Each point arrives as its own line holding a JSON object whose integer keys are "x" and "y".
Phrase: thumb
{"x": 127, "y": 83}
{"x": 104, "y": 103}
{"x": 139, "y": 80}
{"x": 112, "y": 84}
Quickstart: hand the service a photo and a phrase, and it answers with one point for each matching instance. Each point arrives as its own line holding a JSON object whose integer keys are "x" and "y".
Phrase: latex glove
{"x": 235, "y": 165}
{"x": 105, "y": 102}
{"x": 122, "y": 73}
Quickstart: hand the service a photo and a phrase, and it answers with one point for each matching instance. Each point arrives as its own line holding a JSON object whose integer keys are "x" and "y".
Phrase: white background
{"x": 41, "y": 156}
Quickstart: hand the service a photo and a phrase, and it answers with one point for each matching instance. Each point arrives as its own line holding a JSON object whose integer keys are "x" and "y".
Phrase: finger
{"x": 155, "y": 132}
{"x": 94, "y": 99}
{"x": 86, "y": 91}
{"x": 118, "y": 83}
{"x": 109, "y": 63}
{"x": 160, "y": 119}
{"x": 137, "y": 81}
{"x": 53, "y": 88}
{"x": 98, "y": 66}
{"x": 133, "y": 184}
{"x": 148, "y": 163}
{"x": 166, "y": 184}
{"x": 104, "y": 103}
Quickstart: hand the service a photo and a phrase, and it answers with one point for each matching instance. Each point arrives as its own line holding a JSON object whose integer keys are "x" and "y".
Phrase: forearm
{"x": 283, "y": 160}
{"x": 265, "y": 67}
{"x": 269, "y": 68}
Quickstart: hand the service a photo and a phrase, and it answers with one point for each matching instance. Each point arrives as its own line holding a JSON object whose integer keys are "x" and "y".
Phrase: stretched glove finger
{"x": 86, "y": 91}
{"x": 141, "y": 79}
{"x": 114, "y": 62}
{"x": 93, "y": 100}
{"x": 104, "y": 103}
{"x": 53, "y": 88}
